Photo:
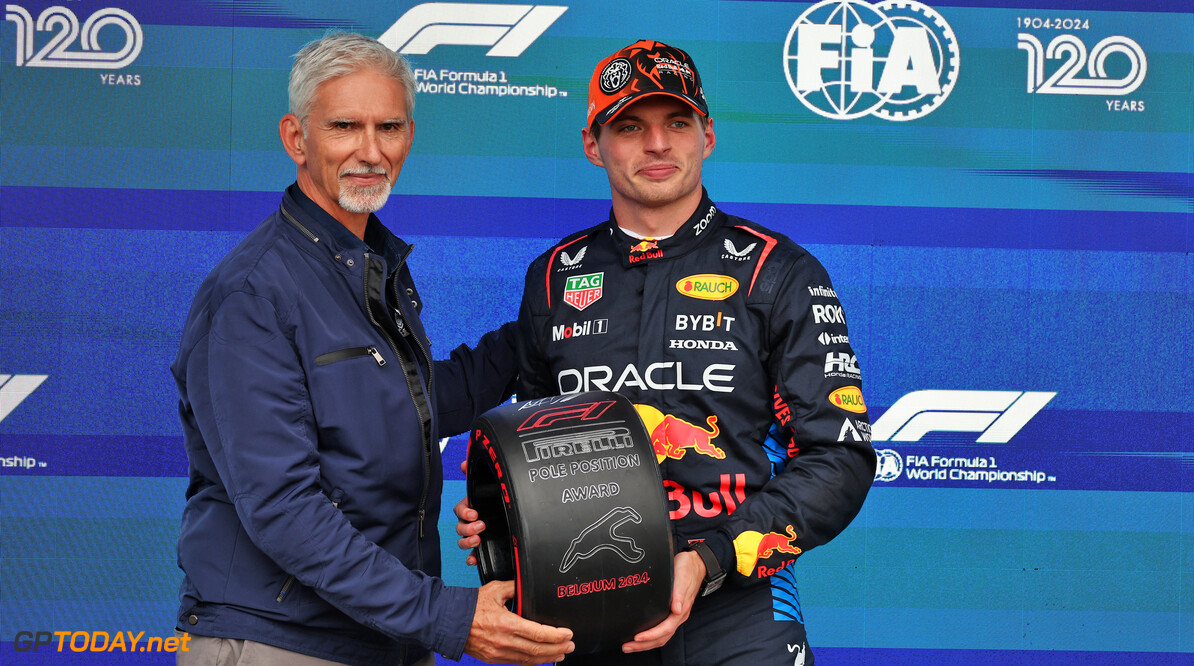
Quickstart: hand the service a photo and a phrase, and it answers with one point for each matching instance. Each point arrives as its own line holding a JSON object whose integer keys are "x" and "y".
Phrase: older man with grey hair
{"x": 311, "y": 410}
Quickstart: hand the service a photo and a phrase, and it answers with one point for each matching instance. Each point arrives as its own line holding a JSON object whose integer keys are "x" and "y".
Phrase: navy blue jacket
{"x": 312, "y": 409}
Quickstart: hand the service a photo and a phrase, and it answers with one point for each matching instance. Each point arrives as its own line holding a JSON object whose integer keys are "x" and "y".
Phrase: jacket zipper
{"x": 351, "y": 352}
{"x": 430, "y": 378}
{"x": 306, "y": 232}
{"x": 336, "y": 495}
{"x": 424, "y": 418}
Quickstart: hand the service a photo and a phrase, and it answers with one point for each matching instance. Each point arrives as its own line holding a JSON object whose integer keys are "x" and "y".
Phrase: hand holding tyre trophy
{"x": 575, "y": 515}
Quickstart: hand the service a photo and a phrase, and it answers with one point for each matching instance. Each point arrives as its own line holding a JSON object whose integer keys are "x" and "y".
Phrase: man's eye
{"x": 341, "y": 125}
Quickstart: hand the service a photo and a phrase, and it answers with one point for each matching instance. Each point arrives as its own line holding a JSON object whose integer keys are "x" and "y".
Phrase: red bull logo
{"x": 673, "y": 437}
{"x": 753, "y": 547}
{"x": 646, "y": 249}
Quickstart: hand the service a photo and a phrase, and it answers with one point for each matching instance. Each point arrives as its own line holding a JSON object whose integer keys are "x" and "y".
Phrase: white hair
{"x": 338, "y": 54}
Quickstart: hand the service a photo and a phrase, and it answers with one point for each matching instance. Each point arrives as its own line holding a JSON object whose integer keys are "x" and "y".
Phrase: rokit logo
{"x": 1115, "y": 66}
{"x": 114, "y": 51}
{"x": 828, "y": 314}
{"x": 508, "y": 29}
{"x": 896, "y": 59}
{"x": 579, "y": 329}
{"x": 997, "y": 415}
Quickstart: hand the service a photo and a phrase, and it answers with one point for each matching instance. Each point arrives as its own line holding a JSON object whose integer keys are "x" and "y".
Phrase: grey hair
{"x": 338, "y": 54}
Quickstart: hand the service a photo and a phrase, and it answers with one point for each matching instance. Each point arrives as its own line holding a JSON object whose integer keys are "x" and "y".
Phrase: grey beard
{"x": 363, "y": 199}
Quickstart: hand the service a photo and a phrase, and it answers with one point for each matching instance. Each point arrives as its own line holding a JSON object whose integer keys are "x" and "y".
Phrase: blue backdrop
{"x": 1005, "y": 200}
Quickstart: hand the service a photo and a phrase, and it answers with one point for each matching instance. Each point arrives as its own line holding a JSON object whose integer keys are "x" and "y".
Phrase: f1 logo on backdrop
{"x": 65, "y": 26}
{"x": 14, "y": 389}
{"x": 895, "y": 59}
{"x": 997, "y": 415}
{"x": 509, "y": 29}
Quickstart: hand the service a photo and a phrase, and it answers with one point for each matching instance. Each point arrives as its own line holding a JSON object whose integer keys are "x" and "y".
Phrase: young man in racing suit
{"x": 730, "y": 340}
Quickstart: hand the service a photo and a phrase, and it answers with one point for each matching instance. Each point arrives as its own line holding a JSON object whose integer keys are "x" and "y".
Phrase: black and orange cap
{"x": 644, "y": 68}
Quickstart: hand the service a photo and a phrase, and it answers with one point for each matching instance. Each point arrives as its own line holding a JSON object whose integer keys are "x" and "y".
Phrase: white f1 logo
{"x": 509, "y": 29}
{"x": 15, "y": 388}
{"x": 998, "y": 415}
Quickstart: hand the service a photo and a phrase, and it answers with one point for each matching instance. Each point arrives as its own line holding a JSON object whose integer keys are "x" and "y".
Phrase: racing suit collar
{"x": 700, "y": 225}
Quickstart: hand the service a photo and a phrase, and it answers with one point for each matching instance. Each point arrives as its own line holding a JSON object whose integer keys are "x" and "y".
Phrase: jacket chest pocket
{"x": 350, "y": 353}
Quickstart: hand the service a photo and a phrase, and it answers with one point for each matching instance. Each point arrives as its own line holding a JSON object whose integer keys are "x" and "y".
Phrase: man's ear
{"x": 710, "y": 137}
{"x": 290, "y": 129}
{"x": 590, "y": 147}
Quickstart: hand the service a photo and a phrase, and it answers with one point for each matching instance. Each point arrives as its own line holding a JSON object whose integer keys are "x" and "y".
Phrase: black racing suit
{"x": 732, "y": 343}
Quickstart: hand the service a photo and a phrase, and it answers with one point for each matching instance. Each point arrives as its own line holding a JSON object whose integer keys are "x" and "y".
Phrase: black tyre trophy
{"x": 575, "y": 515}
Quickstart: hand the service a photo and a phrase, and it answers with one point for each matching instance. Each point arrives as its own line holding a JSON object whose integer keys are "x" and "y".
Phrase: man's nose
{"x": 369, "y": 150}
{"x": 657, "y": 140}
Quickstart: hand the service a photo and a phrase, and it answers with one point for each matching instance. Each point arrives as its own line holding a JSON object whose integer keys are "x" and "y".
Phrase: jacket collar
{"x": 339, "y": 240}
{"x": 702, "y": 224}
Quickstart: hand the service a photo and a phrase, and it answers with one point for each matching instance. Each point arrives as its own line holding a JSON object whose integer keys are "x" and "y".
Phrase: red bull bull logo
{"x": 646, "y": 249}
{"x": 753, "y": 547}
{"x": 673, "y": 437}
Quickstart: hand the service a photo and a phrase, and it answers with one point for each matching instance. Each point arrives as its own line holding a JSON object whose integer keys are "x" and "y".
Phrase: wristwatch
{"x": 714, "y": 574}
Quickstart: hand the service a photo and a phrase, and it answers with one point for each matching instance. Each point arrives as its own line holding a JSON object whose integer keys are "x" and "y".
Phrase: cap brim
{"x": 621, "y": 105}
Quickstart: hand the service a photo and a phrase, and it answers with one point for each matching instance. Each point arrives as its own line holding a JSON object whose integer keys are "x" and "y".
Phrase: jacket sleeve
{"x": 828, "y": 464}
{"x": 257, "y": 421}
{"x": 474, "y": 380}
{"x": 534, "y": 372}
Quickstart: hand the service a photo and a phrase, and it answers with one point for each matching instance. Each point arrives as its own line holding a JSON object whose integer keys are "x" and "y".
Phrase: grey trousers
{"x": 207, "y": 651}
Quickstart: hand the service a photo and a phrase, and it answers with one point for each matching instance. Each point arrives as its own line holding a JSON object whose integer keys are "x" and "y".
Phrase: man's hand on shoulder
{"x": 501, "y": 637}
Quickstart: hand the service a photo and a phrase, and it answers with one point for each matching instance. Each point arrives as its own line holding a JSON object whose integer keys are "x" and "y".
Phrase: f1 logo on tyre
{"x": 998, "y": 415}
{"x": 509, "y": 29}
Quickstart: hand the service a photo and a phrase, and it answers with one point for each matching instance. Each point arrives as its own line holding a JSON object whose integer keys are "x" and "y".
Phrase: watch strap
{"x": 714, "y": 574}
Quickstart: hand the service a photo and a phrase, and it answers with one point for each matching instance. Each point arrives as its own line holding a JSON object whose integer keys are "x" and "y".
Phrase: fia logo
{"x": 65, "y": 26}
{"x": 509, "y": 29}
{"x": 889, "y": 465}
{"x": 1067, "y": 78}
{"x": 895, "y": 59}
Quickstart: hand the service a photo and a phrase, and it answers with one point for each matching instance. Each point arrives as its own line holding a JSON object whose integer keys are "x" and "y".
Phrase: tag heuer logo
{"x": 581, "y": 291}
